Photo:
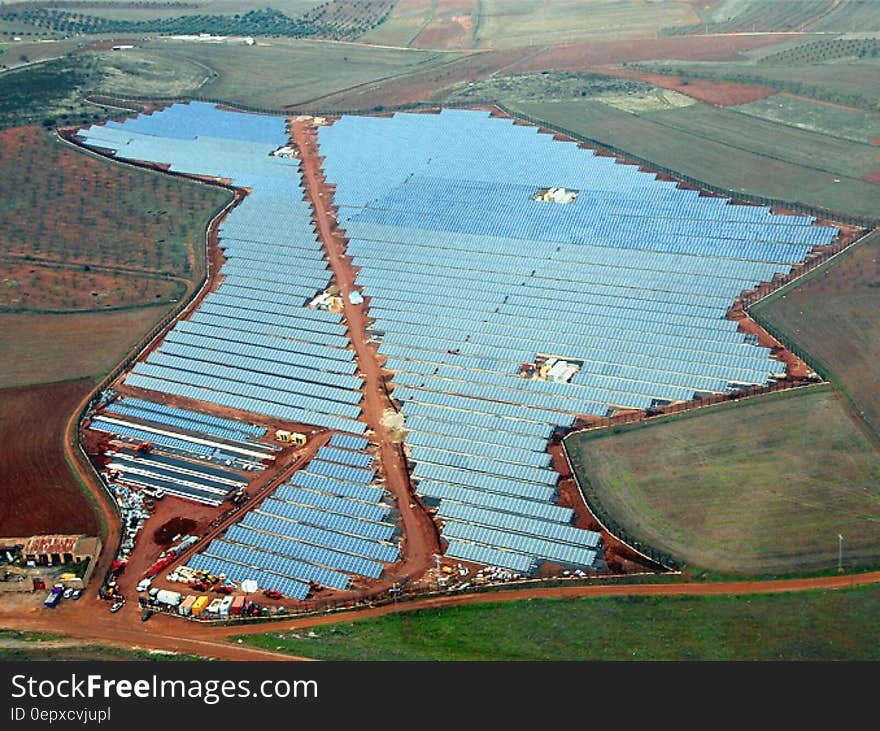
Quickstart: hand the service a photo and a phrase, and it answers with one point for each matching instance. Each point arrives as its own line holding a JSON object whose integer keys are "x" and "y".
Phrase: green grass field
{"x": 831, "y": 121}
{"x": 41, "y": 348}
{"x": 284, "y": 73}
{"x": 757, "y": 487}
{"x": 832, "y": 315}
{"x": 39, "y": 646}
{"x": 834, "y": 625}
{"x": 811, "y": 151}
{"x": 696, "y": 142}
{"x": 506, "y": 24}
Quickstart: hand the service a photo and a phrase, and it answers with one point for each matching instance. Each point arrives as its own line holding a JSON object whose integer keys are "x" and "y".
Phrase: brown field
{"x": 38, "y": 493}
{"x": 717, "y": 93}
{"x": 29, "y": 286}
{"x": 40, "y": 348}
{"x": 833, "y": 316}
{"x": 737, "y": 488}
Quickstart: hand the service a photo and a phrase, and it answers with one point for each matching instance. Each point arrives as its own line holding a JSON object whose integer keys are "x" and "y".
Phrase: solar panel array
{"x": 247, "y": 430}
{"x": 252, "y": 345}
{"x": 469, "y": 277}
{"x": 313, "y": 528}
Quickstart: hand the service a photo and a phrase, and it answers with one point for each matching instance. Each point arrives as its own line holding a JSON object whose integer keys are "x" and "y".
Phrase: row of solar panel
{"x": 247, "y": 404}
{"x": 538, "y": 288}
{"x": 651, "y": 390}
{"x": 673, "y": 203}
{"x": 341, "y": 472}
{"x": 405, "y": 256}
{"x": 238, "y": 572}
{"x": 219, "y": 474}
{"x": 152, "y": 470}
{"x": 434, "y": 492}
{"x": 158, "y": 439}
{"x": 563, "y": 553}
{"x": 321, "y": 537}
{"x": 346, "y": 441}
{"x": 495, "y": 452}
{"x": 173, "y": 421}
{"x": 260, "y": 352}
{"x": 479, "y": 465}
{"x": 343, "y": 456}
{"x": 529, "y": 225}
{"x": 484, "y": 481}
{"x": 286, "y": 323}
{"x": 240, "y": 369}
{"x": 443, "y": 200}
{"x": 426, "y": 425}
{"x": 531, "y": 526}
{"x": 330, "y": 521}
{"x": 223, "y": 332}
{"x": 192, "y": 118}
{"x": 318, "y": 555}
{"x": 332, "y": 319}
{"x": 548, "y": 419}
{"x": 342, "y": 488}
{"x": 344, "y": 388}
{"x": 600, "y": 318}
{"x": 717, "y": 287}
{"x": 485, "y": 422}
{"x": 256, "y": 385}
{"x": 588, "y": 404}
{"x": 282, "y": 565}
{"x": 481, "y": 554}
{"x": 550, "y": 342}
{"x": 196, "y": 416}
{"x": 189, "y": 492}
{"x": 332, "y": 503}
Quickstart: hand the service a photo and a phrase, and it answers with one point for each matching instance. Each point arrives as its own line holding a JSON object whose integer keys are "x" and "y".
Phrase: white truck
{"x": 169, "y": 598}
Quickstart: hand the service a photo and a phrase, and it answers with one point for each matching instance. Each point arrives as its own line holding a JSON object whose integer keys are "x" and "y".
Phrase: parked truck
{"x": 199, "y": 605}
{"x": 53, "y": 598}
{"x": 169, "y": 598}
{"x": 185, "y": 607}
{"x": 223, "y": 609}
{"x": 239, "y": 605}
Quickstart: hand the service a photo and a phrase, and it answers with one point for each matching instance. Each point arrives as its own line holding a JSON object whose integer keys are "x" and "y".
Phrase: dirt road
{"x": 421, "y": 541}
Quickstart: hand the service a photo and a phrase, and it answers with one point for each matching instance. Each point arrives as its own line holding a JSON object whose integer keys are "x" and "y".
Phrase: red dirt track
{"x": 420, "y": 536}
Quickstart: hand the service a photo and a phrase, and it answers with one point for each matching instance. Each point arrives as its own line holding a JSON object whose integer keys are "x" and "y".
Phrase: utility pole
{"x": 839, "y": 553}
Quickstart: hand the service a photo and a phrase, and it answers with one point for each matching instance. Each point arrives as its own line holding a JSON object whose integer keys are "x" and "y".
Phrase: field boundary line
{"x": 598, "y": 515}
{"x": 808, "y": 273}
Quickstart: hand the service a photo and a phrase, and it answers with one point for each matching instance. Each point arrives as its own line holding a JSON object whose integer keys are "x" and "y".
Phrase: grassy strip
{"x": 838, "y": 625}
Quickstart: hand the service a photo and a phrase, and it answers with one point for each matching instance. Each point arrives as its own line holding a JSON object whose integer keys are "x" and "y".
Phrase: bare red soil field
{"x": 717, "y": 93}
{"x": 38, "y": 492}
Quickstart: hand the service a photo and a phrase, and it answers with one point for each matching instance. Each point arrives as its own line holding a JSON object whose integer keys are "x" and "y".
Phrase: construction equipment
{"x": 240, "y": 495}
{"x": 290, "y": 437}
{"x": 143, "y": 447}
